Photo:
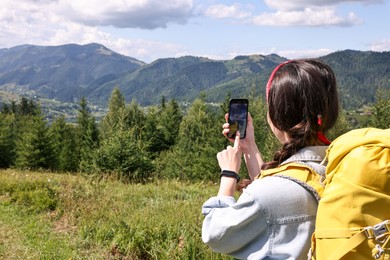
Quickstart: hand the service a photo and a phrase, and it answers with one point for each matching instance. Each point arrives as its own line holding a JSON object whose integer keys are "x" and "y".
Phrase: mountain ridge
{"x": 69, "y": 72}
{"x": 61, "y": 72}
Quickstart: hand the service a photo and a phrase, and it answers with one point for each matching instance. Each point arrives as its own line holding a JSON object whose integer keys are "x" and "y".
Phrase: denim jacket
{"x": 273, "y": 218}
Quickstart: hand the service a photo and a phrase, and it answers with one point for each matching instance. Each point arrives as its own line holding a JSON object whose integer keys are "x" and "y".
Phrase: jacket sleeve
{"x": 229, "y": 225}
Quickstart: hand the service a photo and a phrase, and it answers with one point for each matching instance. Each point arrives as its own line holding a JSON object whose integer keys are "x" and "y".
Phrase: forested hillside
{"x": 359, "y": 75}
{"x": 184, "y": 78}
{"x": 70, "y": 72}
{"x": 60, "y": 72}
{"x": 138, "y": 144}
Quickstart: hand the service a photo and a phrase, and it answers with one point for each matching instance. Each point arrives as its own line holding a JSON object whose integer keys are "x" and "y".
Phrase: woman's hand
{"x": 230, "y": 158}
{"x": 248, "y": 147}
{"x": 248, "y": 141}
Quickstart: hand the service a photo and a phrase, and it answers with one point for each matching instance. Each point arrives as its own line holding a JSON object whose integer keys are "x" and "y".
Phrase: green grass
{"x": 62, "y": 216}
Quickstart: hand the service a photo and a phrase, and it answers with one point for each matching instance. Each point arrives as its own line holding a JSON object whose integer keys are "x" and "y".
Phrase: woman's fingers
{"x": 237, "y": 140}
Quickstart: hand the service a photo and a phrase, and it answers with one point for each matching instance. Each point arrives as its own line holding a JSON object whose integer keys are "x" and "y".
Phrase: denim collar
{"x": 308, "y": 154}
{"x": 311, "y": 156}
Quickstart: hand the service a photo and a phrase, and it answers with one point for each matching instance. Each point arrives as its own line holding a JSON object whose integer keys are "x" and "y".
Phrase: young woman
{"x": 274, "y": 217}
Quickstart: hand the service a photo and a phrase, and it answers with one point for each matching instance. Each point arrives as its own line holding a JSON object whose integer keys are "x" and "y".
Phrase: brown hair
{"x": 302, "y": 101}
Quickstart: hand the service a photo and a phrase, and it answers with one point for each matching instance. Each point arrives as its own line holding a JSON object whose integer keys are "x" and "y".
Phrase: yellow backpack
{"x": 353, "y": 217}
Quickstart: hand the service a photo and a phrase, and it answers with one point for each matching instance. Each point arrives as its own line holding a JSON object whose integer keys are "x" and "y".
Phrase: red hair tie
{"x": 271, "y": 77}
{"x": 320, "y": 135}
{"x": 319, "y": 120}
{"x": 322, "y": 138}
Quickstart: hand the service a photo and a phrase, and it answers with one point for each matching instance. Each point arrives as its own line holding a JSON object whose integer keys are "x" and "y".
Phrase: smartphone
{"x": 238, "y": 117}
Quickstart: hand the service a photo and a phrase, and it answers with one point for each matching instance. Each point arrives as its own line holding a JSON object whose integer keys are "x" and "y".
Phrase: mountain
{"x": 359, "y": 75}
{"x": 69, "y": 72}
{"x": 61, "y": 72}
{"x": 185, "y": 77}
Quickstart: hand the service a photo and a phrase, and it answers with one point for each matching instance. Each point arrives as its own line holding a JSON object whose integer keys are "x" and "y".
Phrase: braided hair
{"x": 303, "y": 102}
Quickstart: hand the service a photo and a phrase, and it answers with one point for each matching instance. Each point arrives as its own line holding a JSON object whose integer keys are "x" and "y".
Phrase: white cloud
{"x": 324, "y": 16}
{"x": 299, "y": 54}
{"x": 226, "y": 11}
{"x": 25, "y": 22}
{"x": 289, "y": 13}
{"x": 48, "y": 22}
{"x": 32, "y": 19}
{"x": 56, "y": 22}
{"x": 147, "y": 51}
{"x": 143, "y": 50}
{"x": 144, "y": 14}
{"x": 290, "y": 5}
{"x": 383, "y": 45}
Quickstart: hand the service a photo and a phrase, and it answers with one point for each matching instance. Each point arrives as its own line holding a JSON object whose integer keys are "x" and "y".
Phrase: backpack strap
{"x": 379, "y": 233}
{"x": 300, "y": 173}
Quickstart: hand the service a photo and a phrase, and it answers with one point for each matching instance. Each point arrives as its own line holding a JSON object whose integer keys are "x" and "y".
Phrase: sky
{"x": 151, "y": 29}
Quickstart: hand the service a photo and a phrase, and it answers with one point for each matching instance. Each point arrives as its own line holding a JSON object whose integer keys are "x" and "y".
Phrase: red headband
{"x": 268, "y": 87}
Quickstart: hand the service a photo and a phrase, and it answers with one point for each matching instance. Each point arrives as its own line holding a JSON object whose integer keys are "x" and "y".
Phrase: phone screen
{"x": 238, "y": 115}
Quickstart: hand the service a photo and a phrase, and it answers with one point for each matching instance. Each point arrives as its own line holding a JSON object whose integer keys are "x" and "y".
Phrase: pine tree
{"x": 123, "y": 154}
{"x": 194, "y": 154}
{"x": 135, "y": 116}
{"x": 161, "y": 127}
{"x": 381, "y": 110}
{"x": 14, "y": 118}
{"x": 342, "y": 126}
{"x": 116, "y": 115}
{"x": 33, "y": 146}
{"x": 64, "y": 145}
{"x": 153, "y": 135}
{"x": 28, "y": 107}
{"x": 170, "y": 119}
{"x": 7, "y": 140}
{"x": 123, "y": 149}
{"x": 87, "y": 136}
{"x": 6, "y": 109}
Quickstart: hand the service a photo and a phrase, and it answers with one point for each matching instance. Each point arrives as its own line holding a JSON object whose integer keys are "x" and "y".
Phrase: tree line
{"x": 137, "y": 144}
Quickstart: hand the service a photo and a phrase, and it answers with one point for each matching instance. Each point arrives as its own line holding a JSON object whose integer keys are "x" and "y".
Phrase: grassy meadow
{"x": 64, "y": 216}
